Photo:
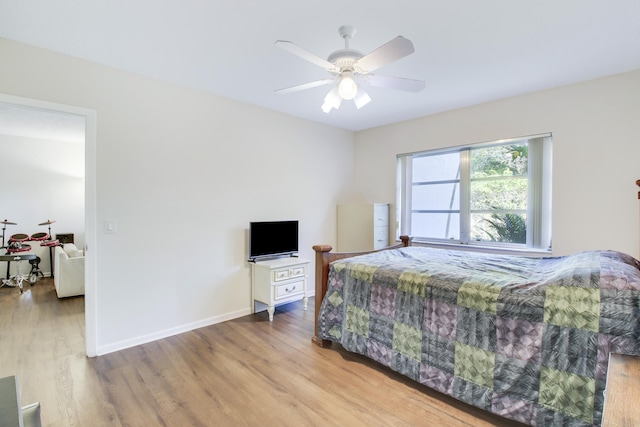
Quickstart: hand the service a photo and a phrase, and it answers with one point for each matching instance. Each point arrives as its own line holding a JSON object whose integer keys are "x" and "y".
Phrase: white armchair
{"x": 68, "y": 271}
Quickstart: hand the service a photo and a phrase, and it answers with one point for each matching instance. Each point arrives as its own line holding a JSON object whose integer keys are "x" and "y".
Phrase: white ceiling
{"x": 467, "y": 51}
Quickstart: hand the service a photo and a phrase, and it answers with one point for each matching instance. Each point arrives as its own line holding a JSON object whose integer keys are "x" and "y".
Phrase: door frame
{"x": 90, "y": 297}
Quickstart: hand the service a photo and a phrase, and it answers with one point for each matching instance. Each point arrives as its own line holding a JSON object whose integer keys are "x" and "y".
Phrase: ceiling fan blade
{"x": 397, "y": 83}
{"x": 385, "y": 54}
{"x": 306, "y": 55}
{"x": 305, "y": 86}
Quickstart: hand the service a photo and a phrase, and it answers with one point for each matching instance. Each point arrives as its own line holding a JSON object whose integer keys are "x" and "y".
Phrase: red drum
{"x": 17, "y": 247}
{"x": 39, "y": 237}
{"x": 50, "y": 243}
{"x": 19, "y": 238}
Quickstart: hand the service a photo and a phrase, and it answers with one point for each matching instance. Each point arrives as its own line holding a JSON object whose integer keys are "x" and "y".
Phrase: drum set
{"x": 17, "y": 251}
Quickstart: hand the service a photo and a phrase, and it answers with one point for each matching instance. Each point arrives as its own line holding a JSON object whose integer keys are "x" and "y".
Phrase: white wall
{"x": 183, "y": 173}
{"x": 42, "y": 180}
{"x": 596, "y": 152}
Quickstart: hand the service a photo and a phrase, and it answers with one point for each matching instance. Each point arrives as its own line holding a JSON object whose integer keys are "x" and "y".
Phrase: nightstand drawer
{"x": 289, "y": 289}
{"x": 290, "y": 273}
{"x": 297, "y": 272}
{"x": 281, "y": 275}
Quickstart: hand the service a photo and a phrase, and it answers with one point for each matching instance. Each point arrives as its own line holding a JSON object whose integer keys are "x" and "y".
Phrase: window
{"x": 491, "y": 194}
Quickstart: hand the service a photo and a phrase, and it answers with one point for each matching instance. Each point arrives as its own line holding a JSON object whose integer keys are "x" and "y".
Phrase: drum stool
{"x": 35, "y": 272}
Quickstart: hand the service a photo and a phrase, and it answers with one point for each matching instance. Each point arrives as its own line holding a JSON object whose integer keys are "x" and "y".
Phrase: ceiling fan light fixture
{"x": 332, "y": 100}
{"x": 326, "y": 107}
{"x": 348, "y": 88}
{"x": 361, "y": 99}
{"x": 345, "y": 64}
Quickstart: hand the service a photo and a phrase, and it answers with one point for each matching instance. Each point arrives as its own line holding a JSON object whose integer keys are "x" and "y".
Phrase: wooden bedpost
{"x": 322, "y": 278}
{"x": 638, "y": 184}
{"x": 324, "y": 257}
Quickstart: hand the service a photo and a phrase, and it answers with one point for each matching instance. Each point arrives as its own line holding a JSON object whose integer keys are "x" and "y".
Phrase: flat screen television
{"x": 272, "y": 238}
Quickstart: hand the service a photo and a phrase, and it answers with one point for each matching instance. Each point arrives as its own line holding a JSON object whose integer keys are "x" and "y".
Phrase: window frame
{"x": 538, "y": 195}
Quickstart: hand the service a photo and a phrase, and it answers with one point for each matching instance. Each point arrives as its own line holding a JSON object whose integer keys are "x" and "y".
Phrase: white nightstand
{"x": 279, "y": 281}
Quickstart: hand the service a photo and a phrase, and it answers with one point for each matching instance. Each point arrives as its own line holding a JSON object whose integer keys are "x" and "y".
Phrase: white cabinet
{"x": 363, "y": 227}
{"x": 279, "y": 281}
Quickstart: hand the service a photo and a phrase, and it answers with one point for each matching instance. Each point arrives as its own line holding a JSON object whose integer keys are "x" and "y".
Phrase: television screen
{"x": 271, "y": 238}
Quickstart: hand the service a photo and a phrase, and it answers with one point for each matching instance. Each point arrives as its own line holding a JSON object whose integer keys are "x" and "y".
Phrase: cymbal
{"x": 48, "y": 222}
{"x": 6, "y": 222}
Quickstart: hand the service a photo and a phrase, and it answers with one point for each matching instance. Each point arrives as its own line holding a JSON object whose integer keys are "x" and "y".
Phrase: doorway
{"x": 87, "y": 117}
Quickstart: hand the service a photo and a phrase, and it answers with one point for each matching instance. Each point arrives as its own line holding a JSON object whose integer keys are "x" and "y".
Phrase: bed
{"x": 525, "y": 338}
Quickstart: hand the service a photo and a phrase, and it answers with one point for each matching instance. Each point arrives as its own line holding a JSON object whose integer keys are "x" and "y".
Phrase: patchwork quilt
{"x": 526, "y": 338}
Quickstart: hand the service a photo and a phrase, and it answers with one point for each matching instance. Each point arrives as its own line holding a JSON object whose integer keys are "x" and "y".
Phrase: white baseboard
{"x": 121, "y": 345}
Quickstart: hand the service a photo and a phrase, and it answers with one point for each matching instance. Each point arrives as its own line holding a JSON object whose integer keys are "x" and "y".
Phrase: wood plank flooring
{"x": 245, "y": 372}
{"x": 623, "y": 391}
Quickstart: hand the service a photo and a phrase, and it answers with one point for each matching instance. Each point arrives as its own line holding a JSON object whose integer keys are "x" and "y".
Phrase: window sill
{"x": 486, "y": 249}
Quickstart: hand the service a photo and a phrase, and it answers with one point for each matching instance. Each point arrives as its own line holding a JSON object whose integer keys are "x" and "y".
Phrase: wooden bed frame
{"x": 324, "y": 257}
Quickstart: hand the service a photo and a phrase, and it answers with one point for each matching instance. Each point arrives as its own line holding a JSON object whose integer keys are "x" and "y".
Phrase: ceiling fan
{"x": 351, "y": 69}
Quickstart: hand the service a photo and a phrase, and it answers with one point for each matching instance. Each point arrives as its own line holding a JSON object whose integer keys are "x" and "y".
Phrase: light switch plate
{"x": 110, "y": 226}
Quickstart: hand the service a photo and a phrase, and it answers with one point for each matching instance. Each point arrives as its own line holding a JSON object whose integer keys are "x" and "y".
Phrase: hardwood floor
{"x": 245, "y": 372}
